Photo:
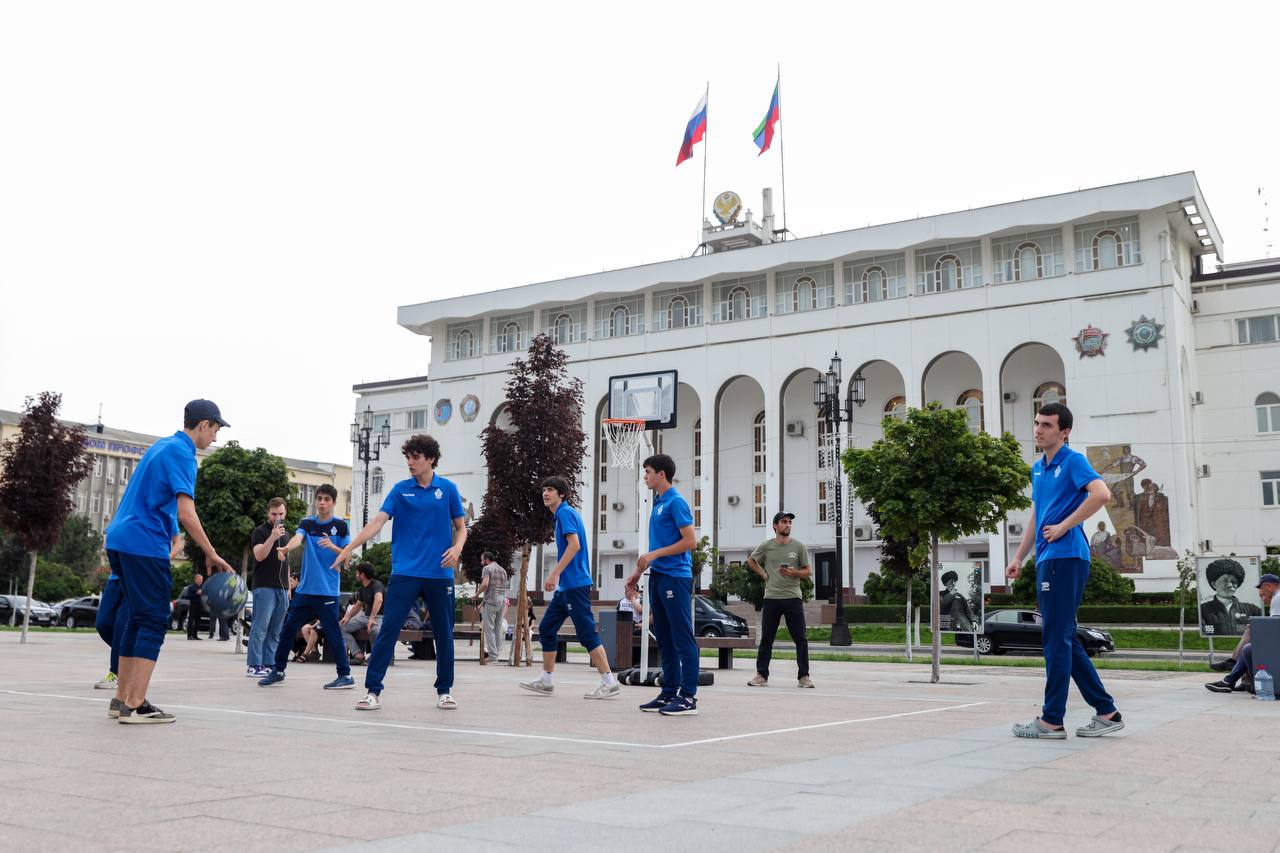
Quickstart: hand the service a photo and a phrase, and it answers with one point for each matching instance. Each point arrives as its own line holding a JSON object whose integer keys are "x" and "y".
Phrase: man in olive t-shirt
{"x": 783, "y": 563}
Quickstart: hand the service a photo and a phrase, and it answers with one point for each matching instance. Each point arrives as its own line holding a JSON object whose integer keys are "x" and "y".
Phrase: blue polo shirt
{"x": 578, "y": 572}
{"x": 147, "y": 519}
{"x": 423, "y": 528}
{"x": 318, "y": 575}
{"x": 670, "y": 513}
{"x": 1058, "y": 487}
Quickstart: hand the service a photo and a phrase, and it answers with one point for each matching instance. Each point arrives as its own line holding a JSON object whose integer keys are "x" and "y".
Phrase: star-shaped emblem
{"x": 1144, "y": 333}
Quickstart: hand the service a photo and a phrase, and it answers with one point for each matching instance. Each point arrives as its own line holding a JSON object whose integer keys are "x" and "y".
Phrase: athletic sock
{"x": 546, "y": 676}
{"x": 608, "y": 679}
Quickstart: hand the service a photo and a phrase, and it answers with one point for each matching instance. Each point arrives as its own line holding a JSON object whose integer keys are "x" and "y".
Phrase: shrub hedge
{"x": 1095, "y": 614}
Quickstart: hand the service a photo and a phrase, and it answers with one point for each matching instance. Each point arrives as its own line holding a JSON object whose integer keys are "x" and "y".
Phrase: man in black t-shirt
{"x": 270, "y": 590}
{"x": 365, "y": 610}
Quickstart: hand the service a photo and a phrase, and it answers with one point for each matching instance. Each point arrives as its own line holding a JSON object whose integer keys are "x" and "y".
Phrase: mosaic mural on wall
{"x": 1139, "y": 511}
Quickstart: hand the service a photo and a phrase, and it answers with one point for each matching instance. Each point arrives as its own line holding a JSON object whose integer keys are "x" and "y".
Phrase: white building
{"x": 1095, "y": 297}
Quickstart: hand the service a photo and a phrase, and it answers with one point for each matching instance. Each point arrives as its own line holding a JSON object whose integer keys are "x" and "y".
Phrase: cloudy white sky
{"x": 230, "y": 199}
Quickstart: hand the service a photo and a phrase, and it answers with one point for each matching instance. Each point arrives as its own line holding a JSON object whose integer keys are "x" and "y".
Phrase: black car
{"x": 80, "y": 612}
{"x": 41, "y": 614}
{"x": 1023, "y": 630}
{"x": 713, "y": 619}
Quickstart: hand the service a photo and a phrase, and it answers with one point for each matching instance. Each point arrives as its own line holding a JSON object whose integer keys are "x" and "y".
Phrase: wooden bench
{"x": 723, "y": 645}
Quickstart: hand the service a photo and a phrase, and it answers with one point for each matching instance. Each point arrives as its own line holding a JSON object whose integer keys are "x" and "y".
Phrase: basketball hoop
{"x": 623, "y": 436}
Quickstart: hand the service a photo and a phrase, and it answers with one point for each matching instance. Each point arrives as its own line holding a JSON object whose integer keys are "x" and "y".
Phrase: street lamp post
{"x": 368, "y": 449}
{"x": 826, "y": 396}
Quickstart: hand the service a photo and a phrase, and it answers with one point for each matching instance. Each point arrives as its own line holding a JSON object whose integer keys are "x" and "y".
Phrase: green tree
{"x": 486, "y": 533}
{"x": 738, "y": 580}
{"x": 55, "y": 582}
{"x": 1105, "y": 585}
{"x": 79, "y": 546}
{"x": 41, "y": 466}
{"x": 704, "y": 555}
{"x": 891, "y": 588}
{"x": 378, "y": 556}
{"x": 931, "y": 476}
{"x": 233, "y": 487}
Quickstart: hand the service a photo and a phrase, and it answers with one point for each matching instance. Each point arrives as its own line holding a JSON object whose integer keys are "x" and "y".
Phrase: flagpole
{"x": 782, "y": 157}
{"x": 702, "y": 204}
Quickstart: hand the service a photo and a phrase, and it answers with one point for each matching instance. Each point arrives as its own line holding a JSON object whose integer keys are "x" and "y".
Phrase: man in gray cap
{"x": 783, "y": 563}
{"x": 1243, "y": 668}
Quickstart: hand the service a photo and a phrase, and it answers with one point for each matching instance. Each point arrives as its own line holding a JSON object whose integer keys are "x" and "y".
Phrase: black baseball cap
{"x": 781, "y": 515}
{"x": 203, "y": 410}
{"x": 1268, "y": 578}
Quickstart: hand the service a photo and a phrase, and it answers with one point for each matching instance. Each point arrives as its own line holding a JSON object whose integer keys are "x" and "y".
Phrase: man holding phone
{"x": 783, "y": 563}
{"x": 270, "y": 589}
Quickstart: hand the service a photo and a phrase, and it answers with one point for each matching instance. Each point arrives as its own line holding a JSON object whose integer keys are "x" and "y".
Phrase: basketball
{"x": 225, "y": 594}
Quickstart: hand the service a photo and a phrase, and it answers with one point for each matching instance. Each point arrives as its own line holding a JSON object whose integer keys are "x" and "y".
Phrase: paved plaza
{"x": 875, "y": 759}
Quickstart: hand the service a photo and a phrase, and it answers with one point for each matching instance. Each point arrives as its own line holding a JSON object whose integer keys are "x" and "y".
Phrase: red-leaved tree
{"x": 545, "y": 439}
{"x": 42, "y": 465}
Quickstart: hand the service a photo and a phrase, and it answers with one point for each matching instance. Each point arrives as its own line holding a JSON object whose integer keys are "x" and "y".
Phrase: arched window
{"x": 738, "y": 302}
{"x": 375, "y": 481}
{"x": 509, "y": 339}
{"x": 697, "y": 448}
{"x": 896, "y": 408}
{"x": 970, "y": 402}
{"x": 604, "y": 454}
{"x": 1046, "y": 393}
{"x": 562, "y": 331}
{"x": 803, "y": 294}
{"x": 677, "y": 312}
{"x": 1106, "y": 250}
{"x": 875, "y": 284}
{"x": 757, "y": 445}
{"x": 947, "y": 270}
{"x": 1268, "y": 409}
{"x": 618, "y": 318}
{"x": 463, "y": 343}
{"x": 1028, "y": 263}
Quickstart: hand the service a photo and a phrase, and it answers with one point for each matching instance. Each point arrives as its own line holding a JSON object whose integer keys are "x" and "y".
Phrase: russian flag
{"x": 693, "y": 132}
{"x": 764, "y": 133}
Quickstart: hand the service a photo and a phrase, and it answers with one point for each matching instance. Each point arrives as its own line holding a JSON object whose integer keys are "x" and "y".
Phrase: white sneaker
{"x": 604, "y": 691}
{"x": 544, "y": 688}
{"x": 108, "y": 682}
{"x": 369, "y": 703}
{"x": 447, "y": 703}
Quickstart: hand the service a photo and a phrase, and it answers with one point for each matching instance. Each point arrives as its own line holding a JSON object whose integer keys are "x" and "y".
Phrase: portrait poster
{"x": 1228, "y": 594}
{"x": 960, "y": 603}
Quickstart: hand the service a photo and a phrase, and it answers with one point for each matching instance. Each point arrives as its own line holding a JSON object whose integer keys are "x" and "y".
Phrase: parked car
{"x": 713, "y": 619}
{"x": 41, "y": 613}
{"x": 1023, "y": 630}
{"x": 79, "y": 612}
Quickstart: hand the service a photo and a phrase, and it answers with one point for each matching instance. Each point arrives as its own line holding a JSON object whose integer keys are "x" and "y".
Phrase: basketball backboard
{"x": 651, "y": 396}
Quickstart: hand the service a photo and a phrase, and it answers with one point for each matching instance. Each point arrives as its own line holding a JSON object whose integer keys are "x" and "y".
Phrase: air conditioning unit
{"x": 862, "y": 532}
{"x": 617, "y": 506}
{"x": 1202, "y": 470}
{"x": 733, "y": 500}
{"x": 795, "y": 428}
{"x": 1197, "y": 398}
{"x": 1015, "y": 529}
{"x": 1010, "y": 396}
{"x": 617, "y": 544}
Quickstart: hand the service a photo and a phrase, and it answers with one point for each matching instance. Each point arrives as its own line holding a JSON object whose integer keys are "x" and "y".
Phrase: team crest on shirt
{"x": 1057, "y": 472}
{"x": 439, "y": 494}
{"x": 333, "y": 531}
{"x": 660, "y": 509}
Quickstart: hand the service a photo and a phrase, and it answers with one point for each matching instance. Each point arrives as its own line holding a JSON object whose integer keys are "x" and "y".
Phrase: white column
{"x": 710, "y": 464}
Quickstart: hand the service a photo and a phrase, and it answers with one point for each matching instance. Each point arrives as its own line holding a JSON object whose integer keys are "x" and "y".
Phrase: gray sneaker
{"x": 113, "y": 710}
{"x": 144, "y": 713}
{"x": 539, "y": 686}
{"x": 1098, "y": 727}
{"x": 1037, "y": 729}
{"x": 604, "y": 691}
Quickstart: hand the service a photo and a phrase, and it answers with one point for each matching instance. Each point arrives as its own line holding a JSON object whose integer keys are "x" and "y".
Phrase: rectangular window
{"x": 758, "y": 501}
{"x": 824, "y": 504}
{"x": 1108, "y": 244}
{"x": 81, "y": 498}
{"x": 106, "y": 505}
{"x": 697, "y": 508}
{"x": 875, "y": 279}
{"x": 97, "y": 466}
{"x": 1258, "y": 330}
{"x": 125, "y": 466}
{"x": 95, "y": 504}
{"x": 757, "y": 445}
{"x": 1271, "y": 488}
{"x": 111, "y": 469}
{"x": 807, "y": 289}
{"x": 417, "y": 419}
{"x": 617, "y": 571}
{"x": 604, "y": 512}
{"x": 379, "y": 421}
{"x": 697, "y": 448}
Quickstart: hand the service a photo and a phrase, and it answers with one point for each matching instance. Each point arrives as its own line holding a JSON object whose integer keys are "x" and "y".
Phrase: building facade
{"x": 1094, "y": 298}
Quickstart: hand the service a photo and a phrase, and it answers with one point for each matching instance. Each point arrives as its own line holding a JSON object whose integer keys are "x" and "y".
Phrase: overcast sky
{"x": 230, "y": 200}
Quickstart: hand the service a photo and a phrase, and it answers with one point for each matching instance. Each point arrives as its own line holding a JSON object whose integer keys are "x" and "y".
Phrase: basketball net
{"x": 623, "y": 437}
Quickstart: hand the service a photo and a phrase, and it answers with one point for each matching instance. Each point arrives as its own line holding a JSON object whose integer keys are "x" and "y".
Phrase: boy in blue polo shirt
{"x": 142, "y": 539}
{"x": 317, "y": 594}
{"x": 671, "y": 543}
{"x": 426, "y": 543}
{"x": 1065, "y": 492}
{"x": 570, "y": 580}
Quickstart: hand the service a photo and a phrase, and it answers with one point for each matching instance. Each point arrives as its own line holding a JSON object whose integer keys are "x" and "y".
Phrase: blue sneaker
{"x": 275, "y": 676}
{"x": 657, "y": 704}
{"x": 342, "y": 682}
{"x": 681, "y": 706}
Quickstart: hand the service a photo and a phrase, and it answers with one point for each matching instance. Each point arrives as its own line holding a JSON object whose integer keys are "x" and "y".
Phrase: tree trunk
{"x": 935, "y": 610}
{"x": 31, "y": 586}
{"x": 520, "y": 639}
